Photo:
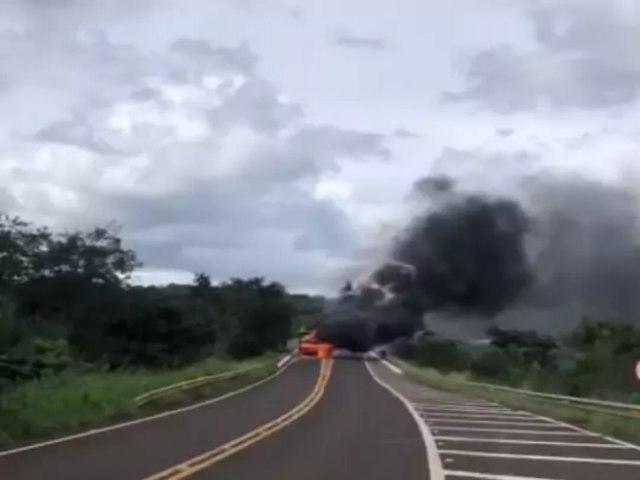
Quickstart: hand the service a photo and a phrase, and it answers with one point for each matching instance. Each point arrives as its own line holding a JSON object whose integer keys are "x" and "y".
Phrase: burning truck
{"x": 373, "y": 312}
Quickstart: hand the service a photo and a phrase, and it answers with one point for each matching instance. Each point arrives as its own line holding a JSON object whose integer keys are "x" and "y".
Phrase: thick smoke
{"x": 562, "y": 248}
{"x": 584, "y": 249}
{"x": 468, "y": 254}
{"x": 375, "y": 312}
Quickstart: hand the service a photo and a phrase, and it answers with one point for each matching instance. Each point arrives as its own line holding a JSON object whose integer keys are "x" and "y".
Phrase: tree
{"x": 65, "y": 299}
{"x": 201, "y": 285}
{"x": 443, "y": 354}
{"x": 57, "y": 275}
{"x": 158, "y": 329}
{"x": 347, "y": 288}
{"x": 529, "y": 347}
{"x": 261, "y": 313}
{"x": 493, "y": 363}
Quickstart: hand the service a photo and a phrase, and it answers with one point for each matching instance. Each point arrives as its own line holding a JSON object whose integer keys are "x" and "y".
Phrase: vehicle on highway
{"x": 309, "y": 345}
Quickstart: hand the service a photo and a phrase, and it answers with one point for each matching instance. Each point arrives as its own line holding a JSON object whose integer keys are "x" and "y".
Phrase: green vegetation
{"x": 78, "y": 342}
{"x": 70, "y": 402}
{"x": 594, "y": 360}
{"x": 604, "y": 423}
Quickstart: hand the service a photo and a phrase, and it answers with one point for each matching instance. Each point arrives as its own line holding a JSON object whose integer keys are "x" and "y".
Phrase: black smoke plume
{"x": 559, "y": 249}
{"x": 469, "y": 254}
{"x": 584, "y": 249}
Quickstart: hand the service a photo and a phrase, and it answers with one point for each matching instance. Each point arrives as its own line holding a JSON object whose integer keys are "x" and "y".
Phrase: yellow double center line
{"x": 206, "y": 460}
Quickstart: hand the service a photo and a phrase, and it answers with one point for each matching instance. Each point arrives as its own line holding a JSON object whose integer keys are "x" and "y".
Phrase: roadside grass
{"x": 74, "y": 402}
{"x": 623, "y": 428}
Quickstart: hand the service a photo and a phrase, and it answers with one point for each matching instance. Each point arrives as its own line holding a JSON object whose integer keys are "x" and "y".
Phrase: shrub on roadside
{"x": 445, "y": 355}
{"x": 493, "y": 363}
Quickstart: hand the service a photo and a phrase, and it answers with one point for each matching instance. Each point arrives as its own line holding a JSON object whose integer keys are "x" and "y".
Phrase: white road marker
{"x": 436, "y": 470}
{"x": 457, "y": 404}
{"x": 392, "y": 367}
{"x": 491, "y": 476}
{"x": 442, "y": 439}
{"x": 541, "y": 423}
{"x": 463, "y": 410}
{"x": 507, "y": 430}
{"x": 472, "y": 416}
{"x": 283, "y": 360}
{"x": 587, "y": 432}
{"x": 610, "y": 461}
{"x": 462, "y": 407}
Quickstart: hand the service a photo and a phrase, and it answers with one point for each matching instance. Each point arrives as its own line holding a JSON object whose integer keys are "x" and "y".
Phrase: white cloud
{"x": 349, "y": 40}
{"x": 585, "y": 57}
{"x": 238, "y": 139}
{"x": 205, "y": 163}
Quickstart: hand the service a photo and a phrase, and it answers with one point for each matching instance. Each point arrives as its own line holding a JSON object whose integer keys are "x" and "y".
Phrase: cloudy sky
{"x": 281, "y": 137}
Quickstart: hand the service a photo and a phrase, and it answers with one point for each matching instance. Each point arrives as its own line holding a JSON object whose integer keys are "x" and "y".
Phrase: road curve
{"x": 472, "y": 438}
{"x": 357, "y": 430}
{"x": 137, "y": 451}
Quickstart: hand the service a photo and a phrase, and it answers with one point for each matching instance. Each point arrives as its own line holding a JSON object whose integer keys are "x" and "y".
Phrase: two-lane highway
{"x": 138, "y": 450}
{"x": 344, "y": 426}
{"x": 472, "y": 438}
{"x": 357, "y": 431}
{"x": 344, "y": 420}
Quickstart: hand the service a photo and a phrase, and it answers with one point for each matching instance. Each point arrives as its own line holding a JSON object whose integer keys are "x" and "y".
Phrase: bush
{"x": 65, "y": 299}
{"x": 493, "y": 363}
{"x": 442, "y": 354}
{"x": 404, "y": 348}
{"x": 258, "y": 316}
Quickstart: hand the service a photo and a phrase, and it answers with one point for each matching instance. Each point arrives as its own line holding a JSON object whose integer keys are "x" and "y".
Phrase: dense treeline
{"x": 66, "y": 302}
{"x": 595, "y": 359}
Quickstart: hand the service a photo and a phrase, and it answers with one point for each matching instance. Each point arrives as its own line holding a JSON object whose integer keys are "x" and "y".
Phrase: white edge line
{"x": 436, "y": 471}
{"x": 283, "y": 360}
{"x": 392, "y": 367}
{"x": 490, "y": 476}
{"x": 143, "y": 419}
{"x": 552, "y": 458}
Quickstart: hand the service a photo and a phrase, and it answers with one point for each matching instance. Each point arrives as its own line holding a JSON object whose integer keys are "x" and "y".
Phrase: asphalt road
{"x": 475, "y": 438}
{"x": 358, "y": 430}
{"x": 140, "y": 450}
{"x": 373, "y": 427}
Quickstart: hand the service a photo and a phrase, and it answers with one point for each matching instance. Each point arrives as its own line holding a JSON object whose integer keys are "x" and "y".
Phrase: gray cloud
{"x": 240, "y": 59}
{"x": 406, "y": 134}
{"x": 256, "y": 102}
{"x": 586, "y": 58}
{"x": 505, "y": 132}
{"x": 319, "y": 141}
{"x": 296, "y": 13}
{"x": 76, "y": 132}
{"x": 199, "y": 158}
{"x": 360, "y": 42}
